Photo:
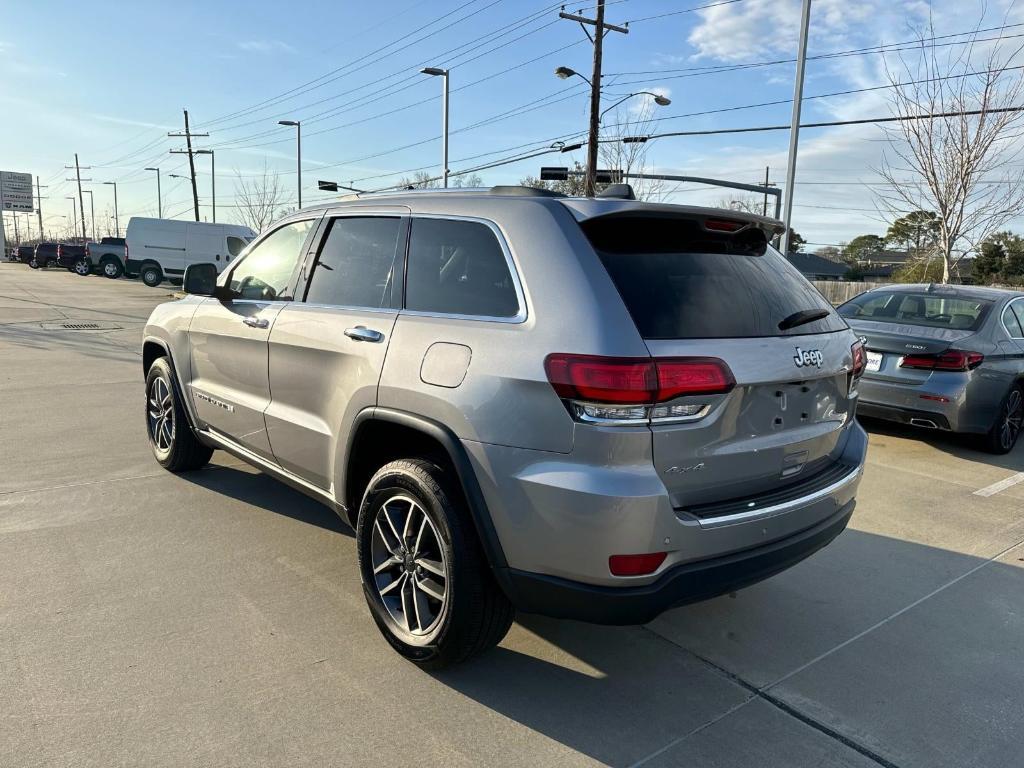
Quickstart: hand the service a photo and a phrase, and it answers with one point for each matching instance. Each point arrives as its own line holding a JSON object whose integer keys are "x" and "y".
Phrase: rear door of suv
{"x": 327, "y": 349}
{"x": 713, "y": 289}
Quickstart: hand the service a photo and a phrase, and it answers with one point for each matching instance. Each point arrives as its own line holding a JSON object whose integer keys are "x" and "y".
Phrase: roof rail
{"x": 521, "y": 191}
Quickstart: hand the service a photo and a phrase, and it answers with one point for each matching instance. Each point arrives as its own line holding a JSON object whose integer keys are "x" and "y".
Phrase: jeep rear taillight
{"x": 630, "y": 389}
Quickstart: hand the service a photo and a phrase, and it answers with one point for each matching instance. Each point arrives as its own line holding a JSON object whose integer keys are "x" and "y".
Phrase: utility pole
{"x": 117, "y": 221}
{"x": 191, "y": 160}
{"x": 794, "y": 131}
{"x": 766, "y": 170}
{"x": 92, "y": 211}
{"x": 78, "y": 176}
{"x": 600, "y": 30}
{"x": 39, "y": 209}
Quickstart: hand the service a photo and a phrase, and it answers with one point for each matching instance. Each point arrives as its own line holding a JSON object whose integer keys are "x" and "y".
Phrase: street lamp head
{"x": 110, "y": 182}
{"x": 288, "y": 122}
{"x": 151, "y": 169}
{"x": 565, "y": 73}
{"x": 662, "y": 101}
{"x": 435, "y": 71}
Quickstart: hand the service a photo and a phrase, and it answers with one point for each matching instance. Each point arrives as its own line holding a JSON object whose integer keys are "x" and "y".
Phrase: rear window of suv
{"x": 932, "y": 310}
{"x": 679, "y": 281}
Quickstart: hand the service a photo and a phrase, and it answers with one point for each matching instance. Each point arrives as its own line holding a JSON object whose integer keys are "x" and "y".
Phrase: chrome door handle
{"x": 362, "y": 333}
{"x": 257, "y": 322}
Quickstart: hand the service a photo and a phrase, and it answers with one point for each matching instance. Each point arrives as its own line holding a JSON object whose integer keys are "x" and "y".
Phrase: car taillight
{"x": 724, "y": 225}
{"x": 950, "y": 360}
{"x": 58, "y": 251}
{"x": 628, "y": 389}
{"x": 859, "y": 358}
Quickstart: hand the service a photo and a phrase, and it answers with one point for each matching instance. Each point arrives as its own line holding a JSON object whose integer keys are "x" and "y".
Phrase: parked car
{"x": 161, "y": 248}
{"x": 43, "y": 255}
{"x": 73, "y": 258}
{"x": 944, "y": 357}
{"x": 23, "y": 253}
{"x": 107, "y": 257}
{"x": 592, "y": 409}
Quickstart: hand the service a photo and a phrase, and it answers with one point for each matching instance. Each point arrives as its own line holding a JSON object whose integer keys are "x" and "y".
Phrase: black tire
{"x": 82, "y": 267}
{"x": 111, "y": 268}
{"x": 151, "y": 275}
{"x": 1004, "y": 432}
{"x": 474, "y": 614}
{"x": 174, "y": 445}
{"x": 35, "y": 263}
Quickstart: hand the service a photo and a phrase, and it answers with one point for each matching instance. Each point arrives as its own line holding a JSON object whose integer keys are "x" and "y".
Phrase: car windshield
{"x": 932, "y": 310}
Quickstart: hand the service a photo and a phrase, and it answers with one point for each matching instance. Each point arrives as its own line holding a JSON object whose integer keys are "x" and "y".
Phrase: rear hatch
{"x": 712, "y": 288}
{"x": 909, "y": 334}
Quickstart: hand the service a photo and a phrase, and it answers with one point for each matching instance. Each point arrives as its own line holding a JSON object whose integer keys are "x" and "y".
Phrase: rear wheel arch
{"x": 381, "y": 435}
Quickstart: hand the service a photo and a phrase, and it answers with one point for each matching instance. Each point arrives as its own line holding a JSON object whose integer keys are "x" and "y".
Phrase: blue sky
{"x": 113, "y": 89}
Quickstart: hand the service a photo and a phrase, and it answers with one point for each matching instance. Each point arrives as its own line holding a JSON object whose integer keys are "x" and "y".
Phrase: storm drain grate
{"x": 79, "y": 325}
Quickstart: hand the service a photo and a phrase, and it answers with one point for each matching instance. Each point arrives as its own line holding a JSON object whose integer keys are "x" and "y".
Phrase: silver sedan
{"x": 943, "y": 357}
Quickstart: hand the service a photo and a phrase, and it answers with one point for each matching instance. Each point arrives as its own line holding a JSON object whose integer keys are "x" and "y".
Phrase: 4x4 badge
{"x": 805, "y": 357}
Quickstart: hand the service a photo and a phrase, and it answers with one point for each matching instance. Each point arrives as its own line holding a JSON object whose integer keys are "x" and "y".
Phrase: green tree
{"x": 862, "y": 247}
{"x": 916, "y": 231}
{"x": 926, "y": 270}
{"x": 1013, "y": 246}
{"x": 796, "y": 243}
{"x": 990, "y": 262}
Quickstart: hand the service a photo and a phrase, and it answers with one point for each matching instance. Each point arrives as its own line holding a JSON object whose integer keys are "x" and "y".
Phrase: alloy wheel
{"x": 410, "y": 570}
{"x": 110, "y": 269}
{"x": 1013, "y": 415}
{"x": 160, "y": 415}
{"x": 81, "y": 267}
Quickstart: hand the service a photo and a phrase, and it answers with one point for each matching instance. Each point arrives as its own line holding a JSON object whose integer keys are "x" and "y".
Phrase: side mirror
{"x": 200, "y": 279}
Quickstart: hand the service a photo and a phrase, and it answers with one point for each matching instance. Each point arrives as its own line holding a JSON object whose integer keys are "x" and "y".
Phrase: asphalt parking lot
{"x": 217, "y": 618}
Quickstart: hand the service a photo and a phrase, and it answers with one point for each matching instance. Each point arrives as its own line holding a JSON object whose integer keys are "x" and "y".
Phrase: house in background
{"x": 815, "y": 267}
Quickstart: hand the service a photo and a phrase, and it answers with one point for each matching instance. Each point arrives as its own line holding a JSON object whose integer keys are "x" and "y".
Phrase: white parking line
{"x": 1002, "y": 485}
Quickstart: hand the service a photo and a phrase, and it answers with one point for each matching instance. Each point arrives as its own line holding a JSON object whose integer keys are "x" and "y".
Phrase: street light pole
{"x": 92, "y": 210}
{"x": 213, "y": 179}
{"x": 437, "y": 71}
{"x": 159, "y": 197}
{"x": 794, "y": 131}
{"x": 74, "y": 217}
{"x": 117, "y": 221}
{"x": 298, "y": 141}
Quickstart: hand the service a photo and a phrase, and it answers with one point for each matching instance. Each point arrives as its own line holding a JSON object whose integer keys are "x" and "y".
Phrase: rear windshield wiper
{"x": 802, "y": 317}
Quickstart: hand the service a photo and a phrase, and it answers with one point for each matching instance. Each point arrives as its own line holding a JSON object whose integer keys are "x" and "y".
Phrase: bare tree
{"x": 632, "y": 157}
{"x": 419, "y": 180}
{"x": 259, "y": 198}
{"x": 958, "y": 165}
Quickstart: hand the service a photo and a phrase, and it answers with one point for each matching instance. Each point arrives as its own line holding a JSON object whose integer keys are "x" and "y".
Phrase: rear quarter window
{"x": 679, "y": 281}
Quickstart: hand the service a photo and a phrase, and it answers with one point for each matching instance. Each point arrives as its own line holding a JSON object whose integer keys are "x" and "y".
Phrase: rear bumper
{"x": 915, "y": 418}
{"x": 688, "y": 583}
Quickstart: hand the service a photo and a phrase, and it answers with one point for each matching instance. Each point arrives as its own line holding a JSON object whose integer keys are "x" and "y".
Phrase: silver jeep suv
{"x": 593, "y": 409}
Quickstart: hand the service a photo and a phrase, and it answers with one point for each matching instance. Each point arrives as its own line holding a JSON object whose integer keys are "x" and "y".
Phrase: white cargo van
{"x": 159, "y": 249}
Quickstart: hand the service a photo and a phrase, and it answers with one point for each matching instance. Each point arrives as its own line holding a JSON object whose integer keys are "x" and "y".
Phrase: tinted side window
{"x": 266, "y": 271}
{"x": 356, "y": 263}
{"x": 458, "y": 268}
{"x": 1017, "y": 307}
{"x": 235, "y": 245}
{"x": 1011, "y": 322}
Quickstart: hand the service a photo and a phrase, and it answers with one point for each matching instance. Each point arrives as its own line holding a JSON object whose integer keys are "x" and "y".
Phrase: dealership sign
{"x": 16, "y": 192}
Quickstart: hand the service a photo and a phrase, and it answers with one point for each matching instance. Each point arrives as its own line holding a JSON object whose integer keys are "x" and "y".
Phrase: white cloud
{"x": 265, "y": 46}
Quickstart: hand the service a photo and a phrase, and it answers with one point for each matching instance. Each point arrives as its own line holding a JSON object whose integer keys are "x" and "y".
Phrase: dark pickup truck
{"x": 71, "y": 257}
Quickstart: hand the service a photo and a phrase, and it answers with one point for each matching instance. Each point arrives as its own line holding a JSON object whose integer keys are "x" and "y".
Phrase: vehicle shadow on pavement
{"x": 960, "y": 446}
{"x": 915, "y": 688}
{"x": 265, "y": 492}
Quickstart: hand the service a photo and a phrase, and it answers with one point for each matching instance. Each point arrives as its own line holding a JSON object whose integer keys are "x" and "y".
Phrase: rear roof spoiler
{"x": 583, "y": 209}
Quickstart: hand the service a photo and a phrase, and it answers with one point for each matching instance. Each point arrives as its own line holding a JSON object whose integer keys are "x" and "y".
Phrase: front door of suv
{"x": 230, "y": 386}
{"x": 327, "y": 351}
